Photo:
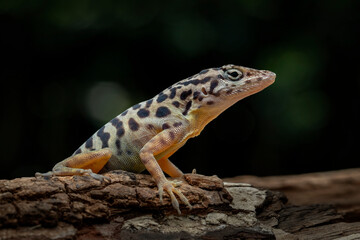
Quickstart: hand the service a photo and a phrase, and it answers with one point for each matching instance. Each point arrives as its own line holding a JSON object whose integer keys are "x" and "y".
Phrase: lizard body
{"x": 147, "y": 134}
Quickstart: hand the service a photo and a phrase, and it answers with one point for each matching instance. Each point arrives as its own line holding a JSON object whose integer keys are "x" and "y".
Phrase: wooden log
{"x": 339, "y": 188}
{"x": 128, "y": 207}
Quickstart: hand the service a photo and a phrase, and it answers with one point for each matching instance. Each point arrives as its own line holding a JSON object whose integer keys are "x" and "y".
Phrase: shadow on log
{"x": 128, "y": 207}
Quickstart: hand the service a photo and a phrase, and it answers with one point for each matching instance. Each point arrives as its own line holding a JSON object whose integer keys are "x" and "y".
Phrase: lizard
{"x": 148, "y": 133}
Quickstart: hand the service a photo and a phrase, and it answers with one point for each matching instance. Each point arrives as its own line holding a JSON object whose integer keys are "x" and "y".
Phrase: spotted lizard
{"x": 147, "y": 134}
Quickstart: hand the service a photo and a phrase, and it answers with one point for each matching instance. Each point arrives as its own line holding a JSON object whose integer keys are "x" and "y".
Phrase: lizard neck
{"x": 200, "y": 117}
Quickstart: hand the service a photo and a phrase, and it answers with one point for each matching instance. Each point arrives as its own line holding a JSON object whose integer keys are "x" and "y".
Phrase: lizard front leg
{"x": 157, "y": 145}
{"x": 168, "y": 167}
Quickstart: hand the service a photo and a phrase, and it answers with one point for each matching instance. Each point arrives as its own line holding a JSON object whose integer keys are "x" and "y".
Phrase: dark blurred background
{"x": 69, "y": 67}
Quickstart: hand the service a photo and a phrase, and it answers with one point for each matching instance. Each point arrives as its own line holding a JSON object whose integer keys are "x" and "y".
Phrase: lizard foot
{"x": 176, "y": 183}
{"x": 47, "y": 174}
{"x": 170, "y": 189}
{"x": 96, "y": 176}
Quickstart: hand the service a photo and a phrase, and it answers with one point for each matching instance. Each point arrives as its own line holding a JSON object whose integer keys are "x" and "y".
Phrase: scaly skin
{"x": 147, "y": 134}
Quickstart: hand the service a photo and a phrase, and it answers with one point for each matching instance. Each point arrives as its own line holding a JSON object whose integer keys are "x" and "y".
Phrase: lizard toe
{"x": 170, "y": 189}
{"x": 160, "y": 192}
{"x": 182, "y": 198}
{"x": 98, "y": 177}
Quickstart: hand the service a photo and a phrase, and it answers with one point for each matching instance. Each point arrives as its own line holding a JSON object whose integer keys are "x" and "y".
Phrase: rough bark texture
{"x": 80, "y": 207}
{"x": 339, "y": 188}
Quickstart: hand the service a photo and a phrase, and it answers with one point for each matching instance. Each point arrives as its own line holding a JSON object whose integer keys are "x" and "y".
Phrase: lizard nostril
{"x": 204, "y": 91}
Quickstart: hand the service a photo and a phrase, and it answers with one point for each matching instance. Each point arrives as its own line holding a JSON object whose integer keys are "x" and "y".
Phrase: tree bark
{"x": 128, "y": 207}
{"x": 339, "y": 188}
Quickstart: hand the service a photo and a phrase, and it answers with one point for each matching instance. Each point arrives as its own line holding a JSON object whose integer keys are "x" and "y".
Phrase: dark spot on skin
{"x": 162, "y": 112}
{"x": 229, "y": 91}
{"x": 172, "y": 135}
{"x": 259, "y": 79}
{"x": 78, "y": 151}
{"x": 210, "y": 102}
{"x": 143, "y": 113}
{"x": 205, "y": 80}
{"x": 220, "y": 76}
{"x": 133, "y": 125}
{"x": 187, "y": 107}
{"x": 195, "y": 81}
{"x": 117, "y": 143}
{"x": 104, "y": 137}
{"x": 196, "y": 95}
{"x": 185, "y": 94}
{"x": 128, "y": 152}
{"x": 148, "y": 103}
{"x": 119, "y": 153}
{"x": 248, "y": 81}
{"x": 121, "y": 131}
{"x": 177, "y": 124}
{"x": 124, "y": 113}
{"x": 176, "y": 104}
{"x": 203, "y": 71}
{"x": 200, "y": 98}
{"x": 165, "y": 126}
{"x": 213, "y": 85}
{"x": 173, "y": 93}
{"x": 249, "y": 74}
{"x": 162, "y": 141}
{"x": 162, "y": 97}
{"x": 89, "y": 143}
{"x": 137, "y": 106}
{"x": 119, "y": 126}
{"x": 115, "y": 122}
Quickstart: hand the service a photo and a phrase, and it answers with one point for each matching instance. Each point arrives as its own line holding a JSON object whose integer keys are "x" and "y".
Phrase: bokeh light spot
{"x": 106, "y": 100}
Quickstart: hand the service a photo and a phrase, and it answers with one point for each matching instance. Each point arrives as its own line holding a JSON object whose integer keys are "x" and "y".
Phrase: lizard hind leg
{"x": 84, "y": 163}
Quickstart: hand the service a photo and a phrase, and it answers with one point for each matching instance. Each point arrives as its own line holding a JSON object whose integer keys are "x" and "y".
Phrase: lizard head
{"x": 208, "y": 93}
{"x": 204, "y": 96}
{"x": 219, "y": 88}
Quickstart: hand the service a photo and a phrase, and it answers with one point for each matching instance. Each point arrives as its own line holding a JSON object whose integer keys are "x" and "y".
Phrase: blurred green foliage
{"x": 69, "y": 66}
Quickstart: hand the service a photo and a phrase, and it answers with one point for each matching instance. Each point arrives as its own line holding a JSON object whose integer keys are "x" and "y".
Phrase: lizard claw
{"x": 161, "y": 192}
{"x": 170, "y": 189}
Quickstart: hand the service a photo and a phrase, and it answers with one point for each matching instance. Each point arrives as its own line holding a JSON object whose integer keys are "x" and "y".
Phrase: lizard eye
{"x": 234, "y": 74}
